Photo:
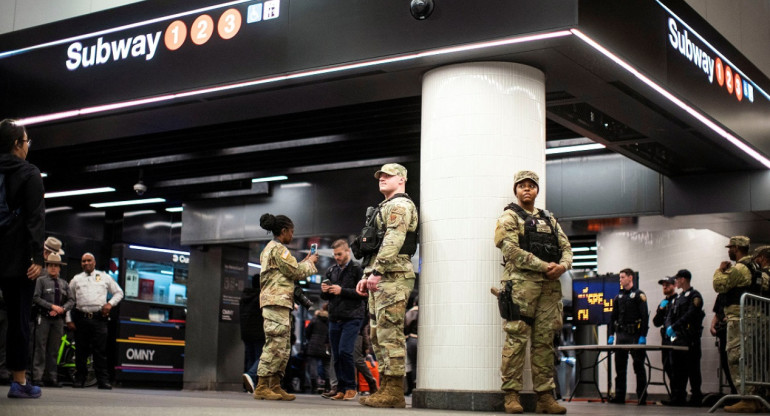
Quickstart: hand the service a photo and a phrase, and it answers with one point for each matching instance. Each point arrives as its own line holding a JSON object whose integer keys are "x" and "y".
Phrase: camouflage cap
{"x": 391, "y": 169}
{"x": 761, "y": 250}
{"x": 738, "y": 241}
{"x": 526, "y": 174}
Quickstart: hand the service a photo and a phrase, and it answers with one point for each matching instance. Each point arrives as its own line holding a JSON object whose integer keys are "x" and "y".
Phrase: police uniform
{"x": 279, "y": 271}
{"x": 659, "y": 320}
{"x": 90, "y": 293}
{"x": 539, "y": 299}
{"x": 686, "y": 320}
{"x": 387, "y": 305}
{"x": 628, "y": 323}
{"x": 49, "y": 291}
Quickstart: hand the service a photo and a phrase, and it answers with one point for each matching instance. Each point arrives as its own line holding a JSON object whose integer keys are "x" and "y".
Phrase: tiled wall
{"x": 656, "y": 255}
{"x": 21, "y": 14}
{"x": 481, "y": 123}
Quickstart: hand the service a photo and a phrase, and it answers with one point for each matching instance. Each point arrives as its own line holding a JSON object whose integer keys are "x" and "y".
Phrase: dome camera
{"x": 140, "y": 188}
{"x": 421, "y": 9}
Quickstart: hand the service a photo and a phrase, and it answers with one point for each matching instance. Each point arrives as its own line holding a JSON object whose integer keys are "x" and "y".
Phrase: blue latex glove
{"x": 664, "y": 303}
{"x": 642, "y": 340}
{"x": 670, "y": 332}
{"x": 611, "y": 340}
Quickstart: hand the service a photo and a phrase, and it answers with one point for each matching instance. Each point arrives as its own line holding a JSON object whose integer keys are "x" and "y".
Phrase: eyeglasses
{"x": 29, "y": 142}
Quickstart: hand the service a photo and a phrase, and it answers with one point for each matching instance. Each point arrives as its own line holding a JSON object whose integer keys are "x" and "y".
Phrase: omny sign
{"x": 707, "y": 61}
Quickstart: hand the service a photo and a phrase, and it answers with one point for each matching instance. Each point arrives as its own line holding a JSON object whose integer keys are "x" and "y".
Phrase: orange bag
{"x": 362, "y": 384}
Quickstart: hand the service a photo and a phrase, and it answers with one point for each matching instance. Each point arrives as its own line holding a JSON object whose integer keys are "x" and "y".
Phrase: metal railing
{"x": 755, "y": 350}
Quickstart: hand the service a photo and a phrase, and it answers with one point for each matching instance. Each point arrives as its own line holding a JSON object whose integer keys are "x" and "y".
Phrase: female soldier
{"x": 279, "y": 271}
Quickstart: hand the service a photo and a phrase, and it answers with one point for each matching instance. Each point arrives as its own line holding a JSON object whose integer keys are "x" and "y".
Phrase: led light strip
{"x": 715, "y": 50}
{"x": 79, "y": 192}
{"x": 679, "y": 103}
{"x": 128, "y": 202}
{"x": 572, "y": 149}
{"x": 159, "y": 250}
{"x": 119, "y": 28}
{"x": 305, "y": 74}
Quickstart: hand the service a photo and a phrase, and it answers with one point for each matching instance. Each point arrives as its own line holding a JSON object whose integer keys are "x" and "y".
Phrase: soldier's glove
{"x": 670, "y": 332}
{"x": 642, "y": 341}
{"x": 664, "y": 303}
{"x": 611, "y": 340}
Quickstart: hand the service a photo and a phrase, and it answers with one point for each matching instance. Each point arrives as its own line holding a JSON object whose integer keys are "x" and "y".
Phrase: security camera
{"x": 140, "y": 188}
{"x": 421, "y": 9}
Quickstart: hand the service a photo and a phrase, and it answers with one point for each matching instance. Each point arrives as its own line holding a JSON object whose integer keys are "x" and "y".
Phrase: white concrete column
{"x": 481, "y": 122}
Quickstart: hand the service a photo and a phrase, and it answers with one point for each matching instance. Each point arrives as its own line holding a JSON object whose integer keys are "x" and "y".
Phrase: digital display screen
{"x": 594, "y": 298}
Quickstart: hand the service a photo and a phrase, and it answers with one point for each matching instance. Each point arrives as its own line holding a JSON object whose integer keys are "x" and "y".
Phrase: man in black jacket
{"x": 346, "y": 310}
{"x": 22, "y": 231}
{"x": 665, "y": 306}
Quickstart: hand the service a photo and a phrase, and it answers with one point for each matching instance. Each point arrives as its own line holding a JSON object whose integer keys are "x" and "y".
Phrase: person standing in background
{"x": 659, "y": 320}
{"x": 22, "y": 231}
{"x": 53, "y": 299}
{"x": 630, "y": 320}
{"x": 252, "y": 332}
{"x": 89, "y": 319}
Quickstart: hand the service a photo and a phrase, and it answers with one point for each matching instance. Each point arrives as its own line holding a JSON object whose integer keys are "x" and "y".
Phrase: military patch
{"x": 697, "y": 302}
{"x": 285, "y": 253}
{"x": 393, "y": 218}
{"x": 643, "y": 297}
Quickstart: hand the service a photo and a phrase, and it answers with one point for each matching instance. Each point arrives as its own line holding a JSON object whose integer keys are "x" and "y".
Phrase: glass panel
{"x": 156, "y": 282}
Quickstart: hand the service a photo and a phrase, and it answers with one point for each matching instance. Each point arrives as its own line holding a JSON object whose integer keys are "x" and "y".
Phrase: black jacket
{"x": 348, "y": 304}
{"x": 686, "y": 317}
{"x": 660, "y": 318}
{"x": 317, "y": 336}
{"x": 252, "y": 323}
{"x": 630, "y": 314}
{"x": 21, "y": 243}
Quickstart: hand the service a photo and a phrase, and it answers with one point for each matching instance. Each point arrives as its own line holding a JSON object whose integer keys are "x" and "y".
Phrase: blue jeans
{"x": 342, "y": 338}
{"x": 253, "y": 352}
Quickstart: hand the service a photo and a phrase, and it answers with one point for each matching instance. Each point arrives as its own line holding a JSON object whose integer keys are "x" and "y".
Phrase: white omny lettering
{"x": 699, "y": 57}
{"x": 140, "y": 354}
{"x": 102, "y": 52}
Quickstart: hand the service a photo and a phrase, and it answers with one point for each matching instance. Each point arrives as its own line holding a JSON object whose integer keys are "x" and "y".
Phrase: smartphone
{"x": 313, "y": 248}
{"x": 327, "y": 282}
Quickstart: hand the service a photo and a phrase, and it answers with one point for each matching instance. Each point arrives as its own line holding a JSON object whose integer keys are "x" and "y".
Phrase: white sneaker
{"x": 249, "y": 382}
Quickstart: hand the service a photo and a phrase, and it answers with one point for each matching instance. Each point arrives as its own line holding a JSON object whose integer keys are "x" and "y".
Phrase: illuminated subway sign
{"x": 712, "y": 67}
{"x": 103, "y": 52}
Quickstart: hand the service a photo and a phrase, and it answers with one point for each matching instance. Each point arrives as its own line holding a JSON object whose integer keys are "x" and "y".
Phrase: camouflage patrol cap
{"x": 526, "y": 174}
{"x": 738, "y": 241}
{"x": 391, "y": 169}
{"x": 762, "y": 251}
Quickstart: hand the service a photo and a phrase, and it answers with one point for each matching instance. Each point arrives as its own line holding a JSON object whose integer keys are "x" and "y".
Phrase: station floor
{"x": 138, "y": 402}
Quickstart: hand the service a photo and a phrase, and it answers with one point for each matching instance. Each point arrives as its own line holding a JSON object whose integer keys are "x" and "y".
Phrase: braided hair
{"x": 275, "y": 223}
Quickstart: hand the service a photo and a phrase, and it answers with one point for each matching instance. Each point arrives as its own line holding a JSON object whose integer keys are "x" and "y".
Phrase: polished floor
{"x": 139, "y": 402}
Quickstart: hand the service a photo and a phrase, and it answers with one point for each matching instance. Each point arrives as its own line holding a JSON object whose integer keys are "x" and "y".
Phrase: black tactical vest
{"x": 733, "y": 296}
{"x": 540, "y": 236}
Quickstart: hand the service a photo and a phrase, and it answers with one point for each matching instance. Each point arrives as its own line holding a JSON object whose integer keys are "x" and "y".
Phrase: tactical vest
{"x": 733, "y": 296}
{"x": 629, "y": 321}
{"x": 540, "y": 236}
{"x": 369, "y": 241}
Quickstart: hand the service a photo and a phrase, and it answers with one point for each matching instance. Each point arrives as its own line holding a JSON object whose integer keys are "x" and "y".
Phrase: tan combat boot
{"x": 547, "y": 404}
{"x": 512, "y": 404}
{"x": 363, "y": 399}
{"x": 275, "y": 387}
{"x": 263, "y": 392}
{"x": 743, "y": 406}
{"x": 392, "y": 395}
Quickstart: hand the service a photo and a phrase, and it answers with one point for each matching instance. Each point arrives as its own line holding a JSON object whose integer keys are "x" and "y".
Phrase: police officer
{"x": 536, "y": 252}
{"x": 629, "y": 321}
{"x": 279, "y": 271}
{"x": 89, "y": 319}
{"x": 659, "y": 320}
{"x": 733, "y": 281}
{"x": 684, "y": 327}
{"x": 389, "y": 279}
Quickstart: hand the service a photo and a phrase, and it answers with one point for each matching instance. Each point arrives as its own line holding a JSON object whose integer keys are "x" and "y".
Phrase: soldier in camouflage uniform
{"x": 389, "y": 278}
{"x": 279, "y": 272}
{"x": 733, "y": 281}
{"x": 536, "y": 291}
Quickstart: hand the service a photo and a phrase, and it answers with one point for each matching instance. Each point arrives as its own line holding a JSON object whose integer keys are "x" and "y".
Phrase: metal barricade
{"x": 755, "y": 349}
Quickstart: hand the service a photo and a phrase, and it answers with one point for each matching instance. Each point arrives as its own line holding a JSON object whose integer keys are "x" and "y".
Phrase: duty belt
{"x": 628, "y": 328}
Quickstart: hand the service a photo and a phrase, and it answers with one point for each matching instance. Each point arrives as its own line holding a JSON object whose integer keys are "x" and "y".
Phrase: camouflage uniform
{"x": 537, "y": 297}
{"x": 279, "y": 271}
{"x": 387, "y": 306}
{"x": 735, "y": 276}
